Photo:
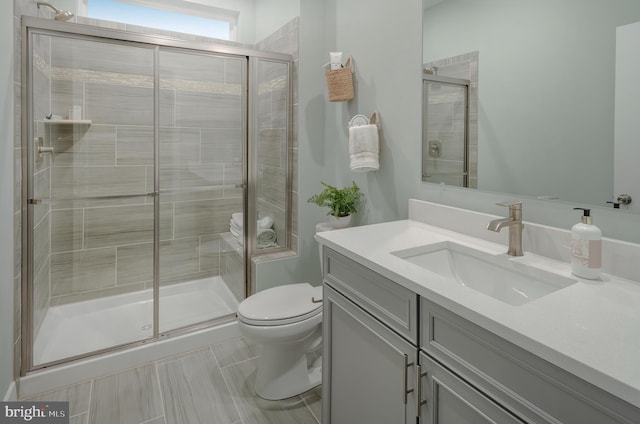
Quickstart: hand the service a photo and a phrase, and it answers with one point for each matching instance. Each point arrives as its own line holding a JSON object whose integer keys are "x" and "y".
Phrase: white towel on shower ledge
{"x": 364, "y": 148}
{"x": 237, "y": 221}
{"x": 266, "y": 238}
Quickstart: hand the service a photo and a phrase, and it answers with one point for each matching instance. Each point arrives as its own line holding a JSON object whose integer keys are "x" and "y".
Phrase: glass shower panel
{"x": 444, "y": 134}
{"x": 202, "y": 133}
{"x": 271, "y": 155}
{"x": 91, "y": 206}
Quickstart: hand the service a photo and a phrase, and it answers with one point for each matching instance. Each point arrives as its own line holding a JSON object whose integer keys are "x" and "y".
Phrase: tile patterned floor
{"x": 207, "y": 386}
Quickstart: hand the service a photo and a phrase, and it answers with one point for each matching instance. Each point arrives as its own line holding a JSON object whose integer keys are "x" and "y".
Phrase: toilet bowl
{"x": 286, "y": 322}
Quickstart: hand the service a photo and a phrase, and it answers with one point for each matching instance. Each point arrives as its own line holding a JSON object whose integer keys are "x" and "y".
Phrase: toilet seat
{"x": 281, "y": 305}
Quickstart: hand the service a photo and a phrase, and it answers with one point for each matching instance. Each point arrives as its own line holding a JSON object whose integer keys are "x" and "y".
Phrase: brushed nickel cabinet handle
{"x": 405, "y": 369}
{"x": 419, "y": 401}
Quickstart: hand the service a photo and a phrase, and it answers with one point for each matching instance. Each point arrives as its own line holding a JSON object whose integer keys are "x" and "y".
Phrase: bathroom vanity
{"x": 402, "y": 339}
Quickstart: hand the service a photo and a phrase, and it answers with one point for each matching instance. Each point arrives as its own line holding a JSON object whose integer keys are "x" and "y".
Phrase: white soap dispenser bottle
{"x": 586, "y": 247}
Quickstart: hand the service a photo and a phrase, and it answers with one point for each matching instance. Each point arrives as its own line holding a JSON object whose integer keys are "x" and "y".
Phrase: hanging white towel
{"x": 364, "y": 148}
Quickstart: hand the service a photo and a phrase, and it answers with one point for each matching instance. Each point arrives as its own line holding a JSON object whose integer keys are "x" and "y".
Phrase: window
{"x": 171, "y": 15}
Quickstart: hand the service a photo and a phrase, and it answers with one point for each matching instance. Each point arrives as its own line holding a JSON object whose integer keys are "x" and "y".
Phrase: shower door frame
{"x": 32, "y": 25}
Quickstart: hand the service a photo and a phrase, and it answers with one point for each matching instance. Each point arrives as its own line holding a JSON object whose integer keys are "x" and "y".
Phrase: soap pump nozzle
{"x": 586, "y": 215}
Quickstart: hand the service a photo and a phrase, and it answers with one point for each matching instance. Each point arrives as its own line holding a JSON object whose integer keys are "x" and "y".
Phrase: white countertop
{"x": 591, "y": 328}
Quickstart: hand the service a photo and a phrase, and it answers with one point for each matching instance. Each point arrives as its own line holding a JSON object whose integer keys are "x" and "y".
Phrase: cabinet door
{"x": 449, "y": 400}
{"x": 368, "y": 370}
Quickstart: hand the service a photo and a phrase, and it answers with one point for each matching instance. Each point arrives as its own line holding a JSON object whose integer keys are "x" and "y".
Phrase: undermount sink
{"x": 497, "y": 276}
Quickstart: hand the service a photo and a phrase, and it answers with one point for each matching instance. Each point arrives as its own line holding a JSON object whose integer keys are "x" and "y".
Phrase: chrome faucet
{"x": 514, "y": 222}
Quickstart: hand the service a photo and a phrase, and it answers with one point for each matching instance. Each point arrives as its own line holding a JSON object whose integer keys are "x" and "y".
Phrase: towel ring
{"x": 359, "y": 120}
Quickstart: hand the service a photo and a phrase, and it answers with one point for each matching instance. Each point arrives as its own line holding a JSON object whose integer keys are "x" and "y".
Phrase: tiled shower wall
{"x": 190, "y": 248}
{"x": 100, "y": 247}
{"x": 273, "y": 149}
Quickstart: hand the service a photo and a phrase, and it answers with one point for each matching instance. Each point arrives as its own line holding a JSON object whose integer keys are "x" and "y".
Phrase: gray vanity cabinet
{"x": 527, "y": 386}
{"x": 377, "y": 363}
{"x": 370, "y": 371}
{"x": 450, "y": 400}
{"x": 368, "y": 378}
{"x": 370, "y": 335}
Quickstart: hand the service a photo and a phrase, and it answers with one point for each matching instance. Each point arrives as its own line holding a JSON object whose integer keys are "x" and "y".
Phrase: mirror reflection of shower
{"x": 445, "y": 129}
{"x": 61, "y": 15}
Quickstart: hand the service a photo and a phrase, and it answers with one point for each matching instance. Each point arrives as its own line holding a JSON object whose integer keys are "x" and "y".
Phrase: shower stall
{"x": 137, "y": 152}
{"x": 445, "y": 133}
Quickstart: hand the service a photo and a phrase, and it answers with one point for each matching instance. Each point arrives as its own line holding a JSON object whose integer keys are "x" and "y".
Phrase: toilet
{"x": 286, "y": 321}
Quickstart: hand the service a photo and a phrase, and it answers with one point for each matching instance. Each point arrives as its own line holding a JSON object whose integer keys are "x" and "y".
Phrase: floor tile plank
{"x": 313, "y": 399}
{"x": 254, "y": 410}
{"x": 77, "y": 396}
{"x": 129, "y": 397}
{"x": 233, "y": 351}
{"x": 194, "y": 391}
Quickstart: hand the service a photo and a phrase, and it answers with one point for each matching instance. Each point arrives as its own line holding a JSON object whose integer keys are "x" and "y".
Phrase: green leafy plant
{"x": 341, "y": 202}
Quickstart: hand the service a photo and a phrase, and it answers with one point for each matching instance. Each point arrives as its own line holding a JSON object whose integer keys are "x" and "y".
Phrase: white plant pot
{"x": 339, "y": 222}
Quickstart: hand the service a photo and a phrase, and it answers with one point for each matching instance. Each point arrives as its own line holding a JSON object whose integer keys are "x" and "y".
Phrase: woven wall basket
{"x": 340, "y": 83}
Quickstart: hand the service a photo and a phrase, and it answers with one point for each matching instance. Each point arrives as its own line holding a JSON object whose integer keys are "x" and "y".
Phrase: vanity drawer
{"x": 534, "y": 389}
{"x": 386, "y": 300}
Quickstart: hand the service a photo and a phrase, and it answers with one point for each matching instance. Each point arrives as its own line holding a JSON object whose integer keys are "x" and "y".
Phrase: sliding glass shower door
{"x": 136, "y": 165}
{"x": 201, "y": 168}
{"x": 91, "y": 204}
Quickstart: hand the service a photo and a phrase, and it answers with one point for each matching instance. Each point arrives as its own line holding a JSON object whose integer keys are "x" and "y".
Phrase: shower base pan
{"x": 82, "y": 327}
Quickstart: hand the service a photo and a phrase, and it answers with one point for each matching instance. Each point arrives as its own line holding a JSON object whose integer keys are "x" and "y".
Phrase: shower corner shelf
{"x": 68, "y": 122}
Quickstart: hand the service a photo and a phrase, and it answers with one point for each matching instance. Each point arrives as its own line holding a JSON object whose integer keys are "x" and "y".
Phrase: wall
{"x": 246, "y": 30}
{"x": 273, "y": 149}
{"x": 7, "y": 206}
{"x": 385, "y": 42}
{"x": 389, "y": 32}
{"x": 308, "y": 149}
{"x": 274, "y": 14}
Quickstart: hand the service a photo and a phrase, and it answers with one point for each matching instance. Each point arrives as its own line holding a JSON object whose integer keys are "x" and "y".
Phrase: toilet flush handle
{"x": 314, "y": 300}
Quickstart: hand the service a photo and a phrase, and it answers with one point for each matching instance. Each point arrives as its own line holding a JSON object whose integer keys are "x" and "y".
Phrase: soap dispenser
{"x": 586, "y": 247}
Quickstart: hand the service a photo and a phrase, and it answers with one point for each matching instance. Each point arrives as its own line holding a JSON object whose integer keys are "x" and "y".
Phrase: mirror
{"x": 550, "y": 123}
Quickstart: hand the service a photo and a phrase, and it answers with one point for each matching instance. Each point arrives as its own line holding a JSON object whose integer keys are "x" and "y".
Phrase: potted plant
{"x": 341, "y": 203}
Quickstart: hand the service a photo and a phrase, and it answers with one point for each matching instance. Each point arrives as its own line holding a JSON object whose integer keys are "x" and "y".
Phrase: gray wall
{"x": 390, "y": 32}
{"x": 6, "y": 202}
{"x": 274, "y": 14}
{"x": 385, "y": 42}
